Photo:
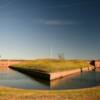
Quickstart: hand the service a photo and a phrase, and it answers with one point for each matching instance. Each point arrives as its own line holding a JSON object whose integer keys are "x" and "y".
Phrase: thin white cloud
{"x": 58, "y": 22}
{"x": 55, "y": 22}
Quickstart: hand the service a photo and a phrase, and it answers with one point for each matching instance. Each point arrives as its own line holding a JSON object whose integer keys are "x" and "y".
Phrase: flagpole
{"x": 51, "y": 52}
{"x": 0, "y": 60}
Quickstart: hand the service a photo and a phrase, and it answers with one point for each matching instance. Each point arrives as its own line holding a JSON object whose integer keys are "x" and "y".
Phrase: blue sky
{"x": 31, "y": 29}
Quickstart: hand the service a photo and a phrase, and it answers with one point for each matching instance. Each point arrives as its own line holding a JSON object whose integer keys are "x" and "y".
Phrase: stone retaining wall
{"x": 7, "y": 62}
{"x": 58, "y": 75}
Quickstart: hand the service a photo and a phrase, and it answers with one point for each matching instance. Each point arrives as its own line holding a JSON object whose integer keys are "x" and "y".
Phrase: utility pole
{"x": 51, "y": 52}
{"x": 0, "y": 60}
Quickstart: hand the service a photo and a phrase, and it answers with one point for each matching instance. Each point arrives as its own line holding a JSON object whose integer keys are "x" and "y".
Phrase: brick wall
{"x": 97, "y": 63}
{"x": 6, "y": 62}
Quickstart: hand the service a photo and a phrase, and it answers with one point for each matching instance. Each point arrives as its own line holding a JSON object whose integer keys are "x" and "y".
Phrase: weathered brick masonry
{"x": 7, "y": 62}
{"x": 97, "y": 63}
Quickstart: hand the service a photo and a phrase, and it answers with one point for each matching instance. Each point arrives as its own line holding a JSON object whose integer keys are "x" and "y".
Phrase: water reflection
{"x": 61, "y": 81}
{"x": 82, "y": 80}
{"x": 11, "y": 78}
{"x": 4, "y": 69}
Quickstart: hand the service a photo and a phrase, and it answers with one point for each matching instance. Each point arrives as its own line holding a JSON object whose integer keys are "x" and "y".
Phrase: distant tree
{"x": 61, "y": 56}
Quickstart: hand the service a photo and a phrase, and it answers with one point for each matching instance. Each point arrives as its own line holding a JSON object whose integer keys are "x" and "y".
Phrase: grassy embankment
{"x": 79, "y": 94}
{"x": 52, "y": 65}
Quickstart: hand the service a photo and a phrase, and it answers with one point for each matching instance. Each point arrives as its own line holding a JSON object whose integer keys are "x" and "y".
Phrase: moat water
{"x": 15, "y": 79}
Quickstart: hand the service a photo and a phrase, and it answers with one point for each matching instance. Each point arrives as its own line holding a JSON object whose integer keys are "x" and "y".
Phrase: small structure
{"x": 93, "y": 62}
{"x": 81, "y": 69}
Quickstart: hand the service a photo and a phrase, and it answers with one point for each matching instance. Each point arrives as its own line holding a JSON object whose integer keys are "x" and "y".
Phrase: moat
{"x": 15, "y": 79}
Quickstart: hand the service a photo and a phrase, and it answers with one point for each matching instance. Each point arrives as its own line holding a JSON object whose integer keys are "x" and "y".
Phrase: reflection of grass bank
{"x": 32, "y": 72}
{"x": 52, "y": 65}
{"x": 79, "y": 94}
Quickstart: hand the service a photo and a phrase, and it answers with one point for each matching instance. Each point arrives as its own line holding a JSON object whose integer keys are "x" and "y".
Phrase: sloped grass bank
{"x": 79, "y": 94}
{"x": 44, "y": 68}
{"x": 52, "y": 65}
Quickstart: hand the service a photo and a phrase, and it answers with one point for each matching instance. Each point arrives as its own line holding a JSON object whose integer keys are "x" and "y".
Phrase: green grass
{"x": 52, "y": 65}
{"x": 78, "y": 94}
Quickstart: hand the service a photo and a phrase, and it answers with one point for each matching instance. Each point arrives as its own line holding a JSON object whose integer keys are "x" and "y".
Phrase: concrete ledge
{"x": 58, "y": 75}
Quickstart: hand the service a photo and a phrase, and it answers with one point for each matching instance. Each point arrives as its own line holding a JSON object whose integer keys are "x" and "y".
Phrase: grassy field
{"x": 19, "y": 94}
{"x": 53, "y": 65}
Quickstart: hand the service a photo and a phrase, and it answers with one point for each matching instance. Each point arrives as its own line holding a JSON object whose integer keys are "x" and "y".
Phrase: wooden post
{"x": 88, "y": 68}
{"x": 81, "y": 69}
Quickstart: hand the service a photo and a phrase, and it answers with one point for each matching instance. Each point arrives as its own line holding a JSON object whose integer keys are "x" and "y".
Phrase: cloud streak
{"x": 58, "y": 22}
{"x": 55, "y": 22}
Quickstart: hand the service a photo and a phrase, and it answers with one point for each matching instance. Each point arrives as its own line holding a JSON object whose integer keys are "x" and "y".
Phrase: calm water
{"x": 82, "y": 80}
{"x": 11, "y": 78}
